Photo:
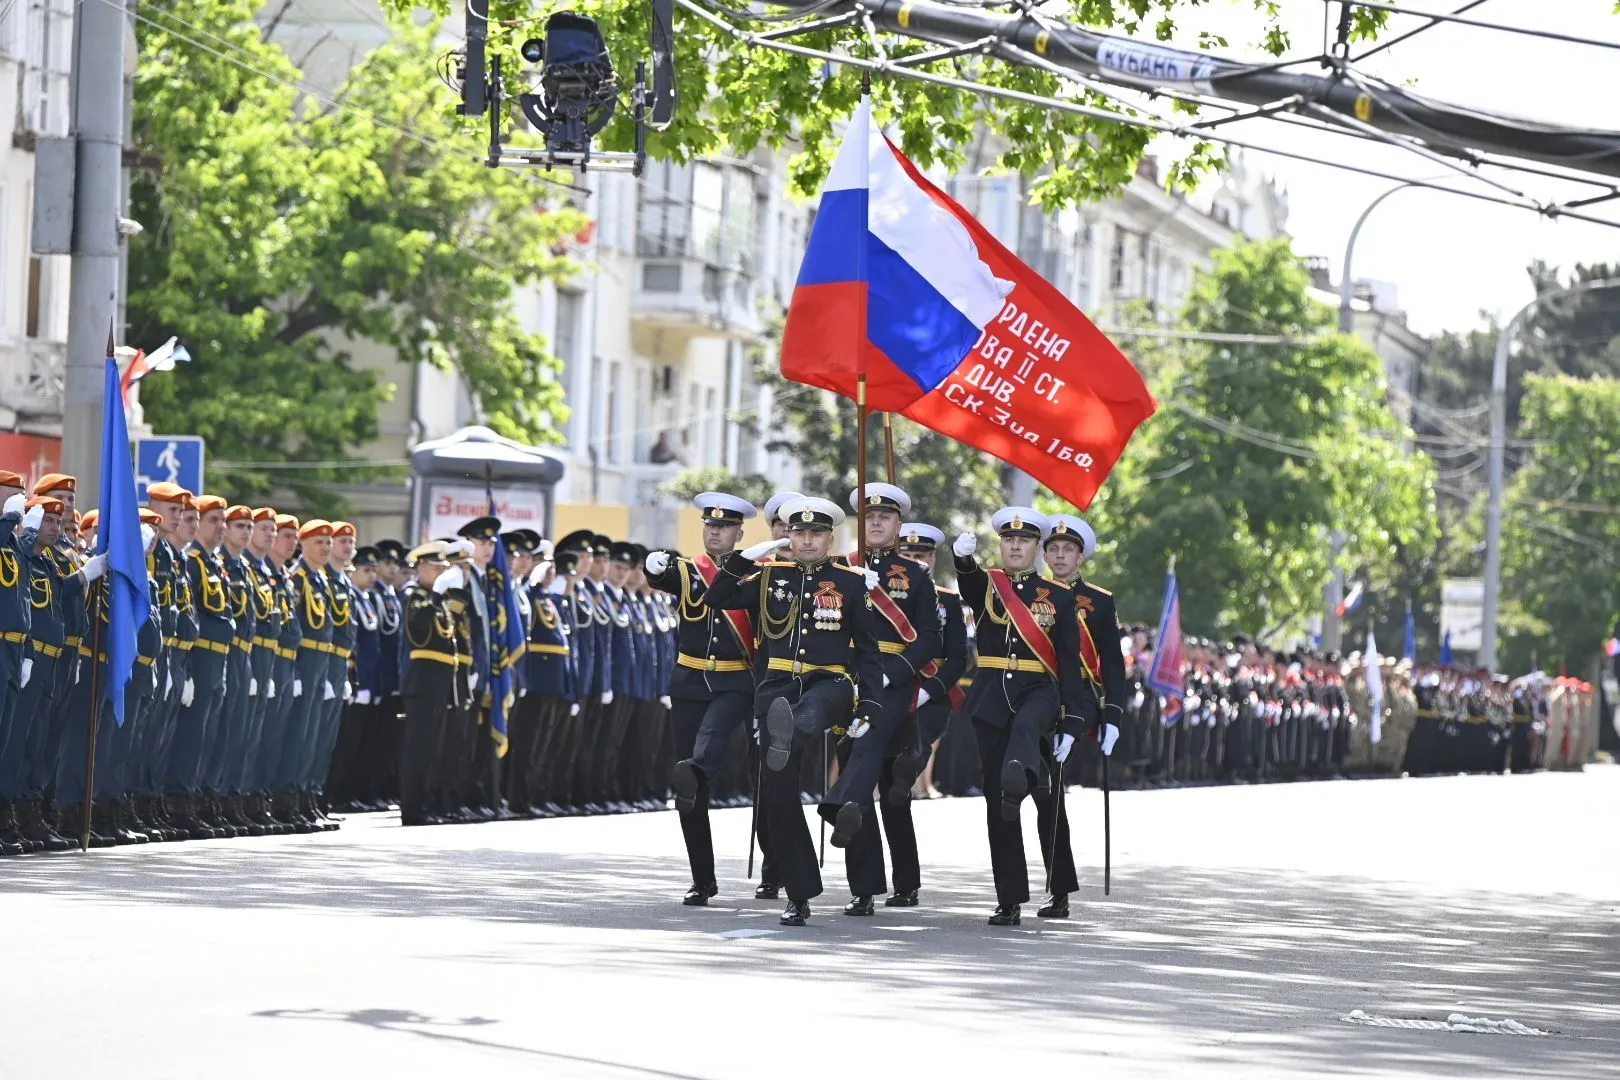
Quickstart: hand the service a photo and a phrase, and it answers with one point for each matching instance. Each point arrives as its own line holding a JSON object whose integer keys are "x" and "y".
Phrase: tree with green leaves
{"x": 1260, "y": 450}
{"x": 1561, "y": 530}
{"x": 284, "y": 226}
{"x": 734, "y": 99}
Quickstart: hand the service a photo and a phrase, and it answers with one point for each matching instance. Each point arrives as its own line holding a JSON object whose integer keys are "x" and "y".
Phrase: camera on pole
{"x": 574, "y": 94}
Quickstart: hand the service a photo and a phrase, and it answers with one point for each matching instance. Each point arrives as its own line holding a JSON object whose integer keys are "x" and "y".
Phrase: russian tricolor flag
{"x": 892, "y": 284}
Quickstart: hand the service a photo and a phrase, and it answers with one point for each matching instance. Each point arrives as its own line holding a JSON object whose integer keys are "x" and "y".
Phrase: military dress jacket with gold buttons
{"x": 207, "y": 578}
{"x": 910, "y": 590}
{"x": 1011, "y": 668}
{"x": 1096, "y": 606}
{"x": 810, "y": 623}
{"x": 712, "y": 657}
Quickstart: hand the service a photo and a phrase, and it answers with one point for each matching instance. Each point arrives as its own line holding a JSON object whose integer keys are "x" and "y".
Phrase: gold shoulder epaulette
{"x": 1059, "y": 584}
{"x": 947, "y": 592}
{"x": 1099, "y": 589}
{"x": 776, "y": 562}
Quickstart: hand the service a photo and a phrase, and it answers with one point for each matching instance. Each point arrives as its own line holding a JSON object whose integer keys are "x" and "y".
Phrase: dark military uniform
{"x": 819, "y": 657}
{"x": 1016, "y": 702}
{"x": 434, "y": 673}
{"x": 712, "y": 695}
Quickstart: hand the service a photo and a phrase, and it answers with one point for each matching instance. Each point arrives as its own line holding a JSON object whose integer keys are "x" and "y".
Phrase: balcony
{"x": 678, "y": 290}
{"x": 31, "y": 381}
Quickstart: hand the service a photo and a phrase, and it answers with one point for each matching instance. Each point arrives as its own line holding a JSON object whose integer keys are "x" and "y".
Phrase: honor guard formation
{"x": 287, "y": 673}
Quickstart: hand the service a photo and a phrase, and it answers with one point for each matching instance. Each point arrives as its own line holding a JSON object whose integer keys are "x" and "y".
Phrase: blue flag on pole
{"x": 128, "y": 601}
{"x": 1445, "y": 650}
{"x": 1166, "y": 674}
{"x": 1409, "y": 645}
{"x": 508, "y": 638}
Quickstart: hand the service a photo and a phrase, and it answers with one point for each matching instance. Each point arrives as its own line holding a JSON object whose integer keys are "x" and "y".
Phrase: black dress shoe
{"x": 795, "y": 914}
{"x": 906, "y": 769}
{"x": 846, "y": 824}
{"x": 1006, "y": 915}
{"x": 1055, "y": 908}
{"x": 779, "y": 735}
{"x": 905, "y": 898}
{"x": 860, "y": 905}
{"x": 1014, "y": 786}
{"x": 698, "y": 895}
{"x": 767, "y": 891}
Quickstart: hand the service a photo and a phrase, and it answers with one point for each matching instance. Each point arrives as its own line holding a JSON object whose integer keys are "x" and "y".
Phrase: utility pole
{"x": 1334, "y": 593}
{"x": 98, "y": 131}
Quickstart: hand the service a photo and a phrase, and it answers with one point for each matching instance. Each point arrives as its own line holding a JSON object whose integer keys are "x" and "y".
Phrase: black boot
{"x": 1006, "y": 915}
{"x": 103, "y": 833}
{"x": 767, "y": 890}
{"x": 243, "y": 821}
{"x": 1014, "y": 786}
{"x": 906, "y": 769}
{"x": 860, "y": 905}
{"x": 685, "y": 780}
{"x": 190, "y": 822}
{"x": 902, "y": 898}
{"x": 779, "y": 738}
{"x": 1055, "y": 908}
{"x": 846, "y": 824}
{"x": 121, "y": 820}
{"x": 37, "y": 828}
{"x": 698, "y": 895}
{"x": 795, "y": 914}
{"x": 11, "y": 842}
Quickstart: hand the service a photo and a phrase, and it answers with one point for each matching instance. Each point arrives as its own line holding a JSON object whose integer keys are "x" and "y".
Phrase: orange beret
{"x": 286, "y": 521}
{"x": 88, "y": 519}
{"x": 342, "y": 528}
{"x": 55, "y": 482}
{"x": 149, "y": 517}
{"x": 205, "y": 503}
{"x": 265, "y": 513}
{"x": 239, "y": 513}
{"x": 10, "y": 479}
{"x": 163, "y": 491}
{"x": 315, "y": 527}
{"x": 48, "y": 503}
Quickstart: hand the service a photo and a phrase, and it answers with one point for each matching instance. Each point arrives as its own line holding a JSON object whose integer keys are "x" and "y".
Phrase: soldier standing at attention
{"x": 712, "y": 688}
{"x": 433, "y": 660}
{"x": 1068, "y": 545}
{"x": 818, "y": 665}
{"x": 1029, "y": 687}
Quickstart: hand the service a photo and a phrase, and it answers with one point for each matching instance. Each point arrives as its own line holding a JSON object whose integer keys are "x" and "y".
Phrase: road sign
{"x": 1462, "y": 611}
{"x": 173, "y": 459}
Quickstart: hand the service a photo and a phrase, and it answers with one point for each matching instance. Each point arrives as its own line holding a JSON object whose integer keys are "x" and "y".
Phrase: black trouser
{"x": 608, "y": 747}
{"x": 1052, "y": 823}
{"x": 754, "y": 762}
{"x": 427, "y": 711}
{"x": 1017, "y": 740}
{"x": 821, "y": 705}
{"x": 523, "y": 730}
{"x": 561, "y": 764}
{"x": 703, "y": 735}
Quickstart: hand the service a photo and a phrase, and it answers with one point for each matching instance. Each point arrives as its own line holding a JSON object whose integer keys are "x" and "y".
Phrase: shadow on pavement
{"x": 1240, "y": 962}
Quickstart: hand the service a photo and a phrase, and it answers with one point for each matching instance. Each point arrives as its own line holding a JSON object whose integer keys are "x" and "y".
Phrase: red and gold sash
{"x": 1089, "y": 657}
{"x": 885, "y": 604}
{"x": 741, "y": 624}
{"x": 1024, "y": 620}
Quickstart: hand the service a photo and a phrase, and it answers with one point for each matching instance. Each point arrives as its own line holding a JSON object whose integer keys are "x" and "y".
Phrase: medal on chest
{"x": 780, "y": 592}
{"x": 1042, "y": 608}
{"x": 899, "y": 583}
{"x": 827, "y": 606}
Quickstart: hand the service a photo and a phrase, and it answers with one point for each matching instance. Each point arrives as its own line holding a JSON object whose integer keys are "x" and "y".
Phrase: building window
{"x": 1083, "y": 242}
{"x": 610, "y": 413}
{"x": 664, "y": 224}
{"x": 47, "y": 76}
{"x": 1116, "y": 263}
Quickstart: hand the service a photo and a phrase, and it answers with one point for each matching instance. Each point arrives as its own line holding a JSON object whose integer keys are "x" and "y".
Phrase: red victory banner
{"x": 1043, "y": 389}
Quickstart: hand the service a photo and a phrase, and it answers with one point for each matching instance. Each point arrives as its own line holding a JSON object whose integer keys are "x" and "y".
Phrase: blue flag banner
{"x": 1165, "y": 675}
{"x": 1445, "y": 650}
{"x": 508, "y": 638}
{"x": 128, "y": 602}
{"x": 1409, "y": 645}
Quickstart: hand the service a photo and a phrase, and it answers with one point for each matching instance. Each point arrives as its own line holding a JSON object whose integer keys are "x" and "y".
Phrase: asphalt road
{"x": 1245, "y": 925}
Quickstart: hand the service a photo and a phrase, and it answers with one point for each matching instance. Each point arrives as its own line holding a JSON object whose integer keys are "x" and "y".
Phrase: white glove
{"x": 472, "y": 680}
{"x": 32, "y": 519}
{"x": 663, "y": 700}
{"x": 253, "y": 688}
{"x": 148, "y": 534}
{"x": 348, "y": 691}
{"x": 168, "y": 684}
{"x": 1061, "y": 745}
{"x": 298, "y": 688}
{"x": 657, "y": 562}
{"x": 885, "y": 678}
{"x": 760, "y": 550}
{"x": 27, "y": 670}
{"x": 872, "y": 579}
{"x": 363, "y": 697}
{"x": 607, "y": 697}
{"x": 858, "y": 727}
{"x": 922, "y": 698}
{"x": 327, "y": 693}
{"x": 536, "y": 576}
{"x": 223, "y": 680}
{"x": 573, "y": 708}
{"x": 450, "y": 579}
{"x": 93, "y": 567}
{"x": 15, "y": 504}
{"x": 269, "y": 689}
{"x": 1110, "y": 737}
{"x": 965, "y": 545}
{"x": 187, "y": 692}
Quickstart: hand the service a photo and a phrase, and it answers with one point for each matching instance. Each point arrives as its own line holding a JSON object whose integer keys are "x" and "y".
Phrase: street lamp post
{"x": 1346, "y": 279}
{"x": 1493, "y": 508}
